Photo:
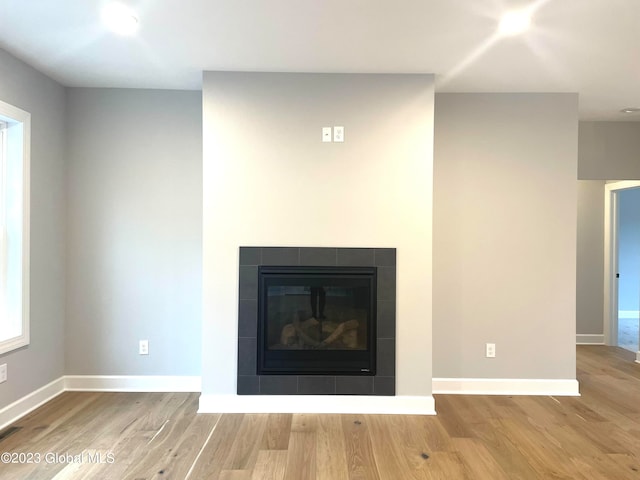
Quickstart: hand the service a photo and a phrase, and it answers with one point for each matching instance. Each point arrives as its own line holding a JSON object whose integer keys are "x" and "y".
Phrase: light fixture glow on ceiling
{"x": 630, "y": 110}
{"x": 120, "y": 19}
{"x": 514, "y": 22}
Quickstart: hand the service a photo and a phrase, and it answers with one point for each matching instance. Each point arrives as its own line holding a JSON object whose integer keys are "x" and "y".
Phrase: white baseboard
{"x": 28, "y": 403}
{"x": 362, "y": 404}
{"x": 638, "y": 357}
{"x": 505, "y": 386}
{"x": 589, "y": 339}
{"x": 97, "y": 383}
{"x": 408, "y": 405}
{"x": 628, "y": 314}
{"x": 132, "y": 383}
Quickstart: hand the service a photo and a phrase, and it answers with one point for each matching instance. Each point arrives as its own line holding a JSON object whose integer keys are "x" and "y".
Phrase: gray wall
{"x": 504, "y": 235}
{"x": 609, "y": 151}
{"x": 606, "y": 151}
{"x": 590, "y": 259}
{"x": 271, "y": 181}
{"x": 134, "y": 223}
{"x": 41, "y": 362}
{"x": 134, "y": 231}
{"x": 629, "y": 249}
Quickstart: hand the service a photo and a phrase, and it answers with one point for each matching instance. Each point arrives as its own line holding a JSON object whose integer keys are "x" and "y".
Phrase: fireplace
{"x": 334, "y": 266}
{"x": 316, "y": 320}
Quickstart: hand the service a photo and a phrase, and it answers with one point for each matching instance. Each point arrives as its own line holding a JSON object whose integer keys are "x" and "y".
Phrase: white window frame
{"x": 15, "y": 164}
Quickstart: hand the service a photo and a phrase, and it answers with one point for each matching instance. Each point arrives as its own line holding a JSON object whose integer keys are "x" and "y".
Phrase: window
{"x": 15, "y": 129}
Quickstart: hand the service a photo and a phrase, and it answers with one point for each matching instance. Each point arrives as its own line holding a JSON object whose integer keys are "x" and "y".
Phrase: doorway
{"x": 622, "y": 264}
{"x": 628, "y": 267}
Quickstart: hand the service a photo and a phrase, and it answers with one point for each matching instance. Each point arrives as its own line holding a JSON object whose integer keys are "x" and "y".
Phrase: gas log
{"x": 299, "y": 333}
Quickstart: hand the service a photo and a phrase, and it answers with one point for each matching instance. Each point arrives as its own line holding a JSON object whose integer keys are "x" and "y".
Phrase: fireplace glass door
{"x": 316, "y": 320}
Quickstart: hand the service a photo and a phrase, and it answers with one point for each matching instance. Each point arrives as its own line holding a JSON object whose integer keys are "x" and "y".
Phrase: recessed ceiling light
{"x": 120, "y": 19}
{"x": 630, "y": 110}
{"x": 514, "y": 22}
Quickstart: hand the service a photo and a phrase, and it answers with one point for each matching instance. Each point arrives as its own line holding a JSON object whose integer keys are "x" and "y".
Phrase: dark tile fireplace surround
{"x": 382, "y": 383}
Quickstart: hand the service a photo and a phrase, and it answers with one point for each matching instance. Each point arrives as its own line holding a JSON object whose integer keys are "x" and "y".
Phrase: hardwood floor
{"x": 138, "y": 436}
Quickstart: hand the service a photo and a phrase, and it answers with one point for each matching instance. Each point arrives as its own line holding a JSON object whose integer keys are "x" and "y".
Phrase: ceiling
{"x": 587, "y": 46}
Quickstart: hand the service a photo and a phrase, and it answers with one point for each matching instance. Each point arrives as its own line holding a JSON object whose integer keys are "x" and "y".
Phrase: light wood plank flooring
{"x": 140, "y": 436}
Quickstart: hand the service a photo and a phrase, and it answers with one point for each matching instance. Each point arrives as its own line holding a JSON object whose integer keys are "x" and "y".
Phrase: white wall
{"x": 269, "y": 180}
{"x": 41, "y": 362}
{"x": 134, "y": 231}
{"x": 505, "y": 235}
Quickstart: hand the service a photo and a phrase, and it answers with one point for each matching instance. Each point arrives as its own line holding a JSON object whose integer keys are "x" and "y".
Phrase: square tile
{"x": 386, "y": 357}
{"x": 248, "y": 385}
{"x": 387, "y": 284}
{"x": 354, "y": 385}
{"x": 319, "y": 257}
{"x": 356, "y": 257}
{"x": 248, "y": 318}
{"x": 250, "y": 255}
{"x": 278, "y": 384}
{"x": 385, "y": 257}
{"x": 385, "y": 386}
{"x": 317, "y": 385}
{"x": 248, "y": 283}
{"x": 386, "y": 319}
{"x": 247, "y": 356}
{"x": 280, "y": 256}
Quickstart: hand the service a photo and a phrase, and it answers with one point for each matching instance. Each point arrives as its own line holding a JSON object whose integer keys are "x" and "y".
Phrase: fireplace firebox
{"x": 316, "y": 320}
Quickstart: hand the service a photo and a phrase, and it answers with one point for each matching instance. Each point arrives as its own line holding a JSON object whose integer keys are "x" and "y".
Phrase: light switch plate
{"x": 326, "y": 134}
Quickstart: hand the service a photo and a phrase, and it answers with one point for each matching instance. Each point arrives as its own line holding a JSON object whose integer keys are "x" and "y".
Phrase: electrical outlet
{"x": 491, "y": 350}
{"x": 338, "y": 134}
{"x": 3, "y": 373}
{"x": 144, "y": 347}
